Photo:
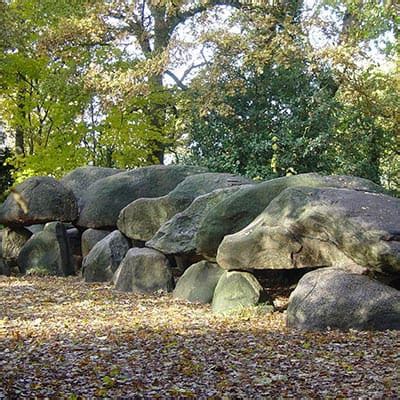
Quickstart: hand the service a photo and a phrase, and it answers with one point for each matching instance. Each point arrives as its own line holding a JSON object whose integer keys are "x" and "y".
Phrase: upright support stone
{"x": 198, "y": 282}
{"x": 105, "y": 257}
{"x": 47, "y": 252}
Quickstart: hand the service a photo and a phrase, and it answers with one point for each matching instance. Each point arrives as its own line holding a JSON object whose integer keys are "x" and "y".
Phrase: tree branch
{"x": 141, "y": 35}
{"x": 133, "y": 25}
{"x": 179, "y": 83}
{"x": 181, "y": 17}
{"x": 191, "y": 68}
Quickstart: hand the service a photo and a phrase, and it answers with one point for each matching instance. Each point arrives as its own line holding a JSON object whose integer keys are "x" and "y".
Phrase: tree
{"x": 5, "y": 173}
{"x": 364, "y": 55}
{"x": 153, "y": 25}
{"x": 42, "y": 97}
{"x": 150, "y": 25}
{"x": 262, "y": 112}
{"x": 70, "y": 87}
{"x": 258, "y": 111}
{"x": 86, "y": 81}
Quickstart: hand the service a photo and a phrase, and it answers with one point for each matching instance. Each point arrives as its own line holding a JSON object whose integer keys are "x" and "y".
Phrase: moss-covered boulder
{"x": 238, "y": 210}
{"x": 47, "y": 252}
{"x": 142, "y": 218}
{"x": 13, "y": 239}
{"x": 105, "y": 257}
{"x": 178, "y": 235}
{"x": 37, "y": 200}
{"x": 80, "y": 179}
{"x": 235, "y": 291}
{"x": 310, "y": 227}
{"x": 198, "y": 282}
{"x": 105, "y": 198}
{"x": 90, "y": 237}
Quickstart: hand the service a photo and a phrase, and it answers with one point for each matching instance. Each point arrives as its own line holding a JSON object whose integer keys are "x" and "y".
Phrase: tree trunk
{"x": 158, "y": 114}
{"x": 19, "y": 130}
{"x": 374, "y": 156}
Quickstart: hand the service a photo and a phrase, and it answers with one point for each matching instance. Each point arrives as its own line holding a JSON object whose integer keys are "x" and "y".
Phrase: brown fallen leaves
{"x": 61, "y": 338}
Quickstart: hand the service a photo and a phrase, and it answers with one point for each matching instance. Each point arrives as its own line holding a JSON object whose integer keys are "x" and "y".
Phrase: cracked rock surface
{"x": 314, "y": 227}
{"x": 240, "y": 209}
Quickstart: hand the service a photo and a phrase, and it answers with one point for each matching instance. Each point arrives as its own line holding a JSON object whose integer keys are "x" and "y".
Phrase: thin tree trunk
{"x": 19, "y": 130}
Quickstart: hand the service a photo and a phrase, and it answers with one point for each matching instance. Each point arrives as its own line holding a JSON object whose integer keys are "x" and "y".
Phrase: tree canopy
{"x": 258, "y": 88}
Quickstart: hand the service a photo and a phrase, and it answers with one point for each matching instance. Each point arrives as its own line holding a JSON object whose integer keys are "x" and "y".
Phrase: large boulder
{"x": 198, "y": 282}
{"x": 105, "y": 257}
{"x": 104, "y": 199}
{"x": 81, "y": 178}
{"x": 236, "y": 290}
{"x": 237, "y": 211}
{"x": 13, "y": 239}
{"x": 90, "y": 237}
{"x": 178, "y": 235}
{"x": 142, "y": 218}
{"x": 144, "y": 271}
{"x": 334, "y": 298}
{"x": 309, "y": 227}
{"x": 47, "y": 252}
{"x": 38, "y": 200}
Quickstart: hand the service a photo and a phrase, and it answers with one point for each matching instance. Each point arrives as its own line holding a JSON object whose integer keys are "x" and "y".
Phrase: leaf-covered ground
{"x": 62, "y": 338}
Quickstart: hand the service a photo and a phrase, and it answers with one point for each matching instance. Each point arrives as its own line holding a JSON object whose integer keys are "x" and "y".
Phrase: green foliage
{"x": 263, "y": 112}
{"x": 260, "y": 112}
{"x": 55, "y": 160}
{"x": 281, "y": 120}
{"x": 366, "y": 68}
{"x": 130, "y": 135}
{"x": 82, "y": 82}
{"x": 5, "y": 173}
{"x": 366, "y": 135}
{"x": 72, "y": 95}
{"x": 365, "y": 20}
{"x": 42, "y": 97}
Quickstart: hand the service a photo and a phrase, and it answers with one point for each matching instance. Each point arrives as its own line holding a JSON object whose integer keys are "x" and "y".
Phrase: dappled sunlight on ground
{"x": 60, "y": 337}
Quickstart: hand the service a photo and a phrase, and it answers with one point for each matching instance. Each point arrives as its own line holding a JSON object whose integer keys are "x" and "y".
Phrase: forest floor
{"x": 61, "y": 338}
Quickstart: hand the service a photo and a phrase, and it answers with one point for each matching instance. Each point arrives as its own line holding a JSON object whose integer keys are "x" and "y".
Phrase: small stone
{"x": 236, "y": 290}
